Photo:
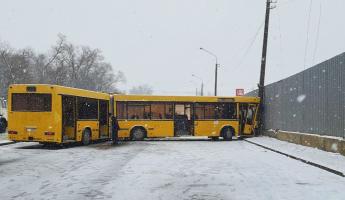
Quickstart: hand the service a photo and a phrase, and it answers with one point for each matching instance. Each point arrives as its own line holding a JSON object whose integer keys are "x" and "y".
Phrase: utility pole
{"x": 216, "y": 70}
{"x": 202, "y": 84}
{"x": 202, "y": 88}
{"x": 263, "y": 65}
{"x": 216, "y": 79}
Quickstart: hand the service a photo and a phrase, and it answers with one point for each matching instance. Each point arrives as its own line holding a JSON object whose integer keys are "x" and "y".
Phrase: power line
{"x": 280, "y": 40}
{"x": 251, "y": 44}
{"x": 307, "y": 40}
{"x": 305, "y": 54}
{"x": 317, "y": 34}
{"x": 287, "y": 2}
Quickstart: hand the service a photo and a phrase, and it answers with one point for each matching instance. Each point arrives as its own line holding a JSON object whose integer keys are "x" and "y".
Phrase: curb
{"x": 333, "y": 171}
{"x": 322, "y": 142}
{"x": 7, "y": 143}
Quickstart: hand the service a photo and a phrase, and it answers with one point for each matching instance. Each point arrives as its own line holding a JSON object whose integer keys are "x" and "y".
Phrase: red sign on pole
{"x": 239, "y": 92}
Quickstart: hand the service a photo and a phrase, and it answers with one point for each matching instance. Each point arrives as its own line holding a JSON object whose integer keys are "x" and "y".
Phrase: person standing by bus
{"x": 114, "y": 129}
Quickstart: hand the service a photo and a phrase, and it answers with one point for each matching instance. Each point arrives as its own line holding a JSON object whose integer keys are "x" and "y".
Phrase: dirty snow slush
{"x": 161, "y": 170}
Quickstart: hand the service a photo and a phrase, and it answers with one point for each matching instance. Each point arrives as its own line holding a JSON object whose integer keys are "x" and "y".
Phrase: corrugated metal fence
{"x": 312, "y": 101}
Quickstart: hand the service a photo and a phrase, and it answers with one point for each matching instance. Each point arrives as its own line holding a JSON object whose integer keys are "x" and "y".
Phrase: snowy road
{"x": 161, "y": 170}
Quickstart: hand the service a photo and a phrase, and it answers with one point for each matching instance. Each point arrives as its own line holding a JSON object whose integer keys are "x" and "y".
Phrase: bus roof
{"x": 120, "y": 97}
{"x": 62, "y": 90}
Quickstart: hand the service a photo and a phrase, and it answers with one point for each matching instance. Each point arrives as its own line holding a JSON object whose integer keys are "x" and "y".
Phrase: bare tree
{"x": 15, "y": 67}
{"x": 65, "y": 64}
{"x": 44, "y": 63}
{"x": 142, "y": 89}
{"x": 86, "y": 68}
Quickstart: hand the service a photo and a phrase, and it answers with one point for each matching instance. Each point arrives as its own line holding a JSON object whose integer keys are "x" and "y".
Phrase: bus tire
{"x": 227, "y": 133}
{"x": 3, "y": 125}
{"x": 138, "y": 134}
{"x": 86, "y": 137}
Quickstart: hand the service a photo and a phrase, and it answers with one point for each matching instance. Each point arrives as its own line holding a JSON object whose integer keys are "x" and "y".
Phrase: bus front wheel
{"x": 86, "y": 139}
{"x": 227, "y": 133}
{"x": 138, "y": 134}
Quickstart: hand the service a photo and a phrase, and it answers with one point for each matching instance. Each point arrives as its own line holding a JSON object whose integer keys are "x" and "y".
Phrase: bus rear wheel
{"x": 227, "y": 133}
{"x": 86, "y": 139}
{"x": 138, "y": 134}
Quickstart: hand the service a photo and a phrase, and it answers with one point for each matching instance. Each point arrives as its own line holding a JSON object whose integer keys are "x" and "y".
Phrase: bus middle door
{"x": 183, "y": 119}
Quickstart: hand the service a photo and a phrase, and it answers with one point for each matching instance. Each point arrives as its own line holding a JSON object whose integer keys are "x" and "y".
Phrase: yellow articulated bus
{"x": 142, "y": 117}
{"x": 55, "y": 114}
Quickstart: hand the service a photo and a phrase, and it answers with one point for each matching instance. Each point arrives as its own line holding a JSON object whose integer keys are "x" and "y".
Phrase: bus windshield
{"x": 29, "y": 102}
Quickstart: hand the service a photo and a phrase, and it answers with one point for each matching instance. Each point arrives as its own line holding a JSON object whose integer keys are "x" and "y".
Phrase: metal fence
{"x": 312, "y": 101}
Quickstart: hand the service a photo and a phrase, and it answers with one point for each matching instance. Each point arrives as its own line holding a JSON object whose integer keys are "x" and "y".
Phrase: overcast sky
{"x": 156, "y": 42}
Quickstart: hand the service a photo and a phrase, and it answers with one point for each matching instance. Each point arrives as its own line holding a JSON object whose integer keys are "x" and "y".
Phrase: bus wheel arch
{"x": 138, "y": 133}
{"x": 227, "y": 132}
{"x": 86, "y": 136}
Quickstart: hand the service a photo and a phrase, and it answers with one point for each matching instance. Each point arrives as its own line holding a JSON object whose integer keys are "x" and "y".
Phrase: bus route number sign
{"x": 239, "y": 92}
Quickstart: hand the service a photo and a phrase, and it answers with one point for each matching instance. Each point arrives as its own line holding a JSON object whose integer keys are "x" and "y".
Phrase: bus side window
{"x": 157, "y": 110}
{"x": 138, "y": 110}
{"x": 226, "y": 111}
{"x": 146, "y": 115}
{"x": 199, "y": 111}
{"x": 121, "y": 110}
{"x": 168, "y": 111}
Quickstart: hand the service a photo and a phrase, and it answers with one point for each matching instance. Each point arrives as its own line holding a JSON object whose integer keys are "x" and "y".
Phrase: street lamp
{"x": 196, "y": 88}
{"x": 216, "y": 69}
{"x": 202, "y": 84}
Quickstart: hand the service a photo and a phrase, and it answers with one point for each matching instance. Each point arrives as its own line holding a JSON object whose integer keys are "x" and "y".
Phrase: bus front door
{"x": 247, "y": 118}
{"x": 183, "y": 120}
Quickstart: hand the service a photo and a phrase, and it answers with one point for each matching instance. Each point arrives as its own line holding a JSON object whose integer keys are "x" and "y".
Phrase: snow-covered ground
{"x": 334, "y": 161}
{"x": 3, "y": 136}
{"x": 161, "y": 170}
{"x": 3, "y": 139}
{"x": 3, "y": 142}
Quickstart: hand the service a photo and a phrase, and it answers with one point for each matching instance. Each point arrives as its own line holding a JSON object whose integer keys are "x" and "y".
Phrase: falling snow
{"x": 301, "y": 98}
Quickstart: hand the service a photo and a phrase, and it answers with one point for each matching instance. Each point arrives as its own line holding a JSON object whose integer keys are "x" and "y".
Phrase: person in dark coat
{"x": 114, "y": 129}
